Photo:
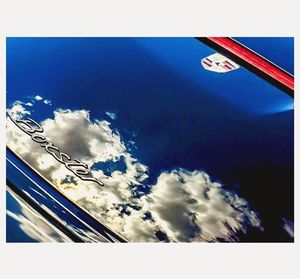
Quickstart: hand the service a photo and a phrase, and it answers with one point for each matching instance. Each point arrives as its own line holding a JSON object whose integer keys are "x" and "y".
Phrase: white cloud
{"x": 33, "y": 224}
{"x": 38, "y": 98}
{"x": 188, "y": 206}
{"x": 74, "y": 133}
{"x": 17, "y": 110}
{"x": 111, "y": 115}
{"x": 288, "y": 226}
{"x": 36, "y": 227}
{"x": 185, "y": 205}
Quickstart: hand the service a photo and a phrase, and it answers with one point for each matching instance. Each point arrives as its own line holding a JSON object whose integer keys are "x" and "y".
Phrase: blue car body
{"x": 185, "y": 154}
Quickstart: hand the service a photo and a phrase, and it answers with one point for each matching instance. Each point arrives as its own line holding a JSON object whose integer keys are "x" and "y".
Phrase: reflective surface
{"x": 184, "y": 154}
{"x": 276, "y": 49}
{"x": 26, "y": 225}
{"x": 33, "y": 192}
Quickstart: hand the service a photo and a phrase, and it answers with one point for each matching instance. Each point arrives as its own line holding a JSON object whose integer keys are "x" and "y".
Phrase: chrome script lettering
{"x": 34, "y": 130}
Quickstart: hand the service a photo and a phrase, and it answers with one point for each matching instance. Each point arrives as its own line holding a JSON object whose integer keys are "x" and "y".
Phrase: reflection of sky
{"x": 109, "y": 166}
{"x": 15, "y": 232}
{"x": 178, "y": 114}
{"x": 279, "y": 50}
{"x": 160, "y": 90}
{"x": 150, "y": 63}
{"x": 26, "y": 225}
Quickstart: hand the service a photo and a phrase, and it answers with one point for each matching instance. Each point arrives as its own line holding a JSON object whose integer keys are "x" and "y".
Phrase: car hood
{"x": 155, "y": 147}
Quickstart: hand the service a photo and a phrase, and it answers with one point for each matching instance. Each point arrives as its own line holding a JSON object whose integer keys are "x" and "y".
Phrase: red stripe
{"x": 228, "y": 67}
{"x": 206, "y": 63}
{"x": 229, "y": 64}
{"x": 255, "y": 60}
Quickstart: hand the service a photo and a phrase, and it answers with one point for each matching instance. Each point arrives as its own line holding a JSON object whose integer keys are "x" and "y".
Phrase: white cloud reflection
{"x": 38, "y": 228}
{"x": 288, "y": 226}
{"x": 188, "y": 206}
{"x": 38, "y": 98}
{"x": 34, "y": 225}
{"x": 111, "y": 115}
{"x": 47, "y": 102}
{"x": 183, "y": 205}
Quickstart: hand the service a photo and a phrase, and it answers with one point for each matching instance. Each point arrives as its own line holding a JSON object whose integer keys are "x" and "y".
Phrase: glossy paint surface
{"x": 275, "y": 49}
{"x": 25, "y": 225}
{"x": 42, "y": 210}
{"x": 184, "y": 154}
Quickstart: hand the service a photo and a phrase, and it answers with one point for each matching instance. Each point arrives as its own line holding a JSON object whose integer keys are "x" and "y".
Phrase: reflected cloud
{"x": 111, "y": 115}
{"x": 38, "y": 98}
{"x": 188, "y": 206}
{"x": 33, "y": 225}
{"x": 18, "y": 110}
{"x": 288, "y": 226}
{"x": 182, "y": 205}
{"x": 47, "y": 102}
